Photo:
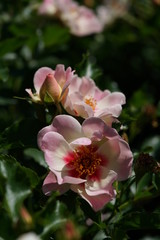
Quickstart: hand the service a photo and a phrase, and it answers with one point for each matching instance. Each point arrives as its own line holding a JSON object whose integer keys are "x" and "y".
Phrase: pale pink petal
{"x": 96, "y": 129}
{"x": 103, "y": 184}
{"x": 108, "y": 119}
{"x": 85, "y": 22}
{"x": 82, "y": 109}
{"x": 116, "y": 98}
{"x": 81, "y": 141}
{"x": 112, "y": 99}
{"x": 67, "y": 103}
{"x": 87, "y": 87}
{"x": 50, "y": 184}
{"x": 73, "y": 180}
{"x": 34, "y": 97}
{"x": 76, "y": 106}
{"x": 114, "y": 111}
{"x": 63, "y": 77}
{"x": 43, "y": 131}
{"x": 55, "y": 149}
{"x": 119, "y": 157}
{"x": 125, "y": 160}
{"x": 96, "y": 202}
{"x": 101, "y": 94}
{"x": 68, "y": 127}
{"x": 82, "y": 86}
{"x": 48, "y": 7}
{"x": 111, "y": 150}
{"x": 29, "y": 91}
{"x": 70, "y": 77}
{"x": 75, "y": 85}
{"x": 40, "y": 76}
{"x": 65, "y": 176}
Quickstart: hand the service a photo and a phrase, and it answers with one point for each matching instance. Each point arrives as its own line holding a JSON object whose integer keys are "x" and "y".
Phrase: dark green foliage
{"x": 124, "y": 57}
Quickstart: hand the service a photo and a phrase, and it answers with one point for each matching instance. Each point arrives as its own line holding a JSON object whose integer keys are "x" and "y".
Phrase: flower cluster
{"x": 86, "y": 158}
{"x": 82, "y": 20}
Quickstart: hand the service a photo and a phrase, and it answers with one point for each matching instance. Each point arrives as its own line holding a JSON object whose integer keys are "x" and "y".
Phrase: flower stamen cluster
{"x": 91, "y": 102}
{"x": 86, "y": 161}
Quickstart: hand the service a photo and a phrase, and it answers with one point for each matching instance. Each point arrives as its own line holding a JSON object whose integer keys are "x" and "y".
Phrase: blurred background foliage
{"x": 124, "y": 57}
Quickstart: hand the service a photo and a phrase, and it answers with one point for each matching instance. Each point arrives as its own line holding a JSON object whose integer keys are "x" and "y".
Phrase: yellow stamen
{"x": 86, "y": 160}
{"x": 91, "y": 102}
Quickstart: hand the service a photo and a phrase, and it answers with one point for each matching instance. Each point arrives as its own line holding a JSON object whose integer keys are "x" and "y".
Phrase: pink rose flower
{"x": 86, "y": 159}
{"x": 83, "y": 98}
{"x": 48, "y": 7}
{"x": 111, "y": 10}
{"x": 49, "y": 84}
{"x": 81, "y": 20}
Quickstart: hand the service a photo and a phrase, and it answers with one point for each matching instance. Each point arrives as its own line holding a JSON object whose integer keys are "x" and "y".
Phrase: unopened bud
{"x": 50, "y": 90}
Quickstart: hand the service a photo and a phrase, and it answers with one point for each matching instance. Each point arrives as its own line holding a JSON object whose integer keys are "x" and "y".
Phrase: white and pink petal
{"x": 50, "y": 184}
{"x": 68, "y": 127}
{"x": 96, "y": 129}
{"x": 96, "y": 202}
{"x": 103, "y": 185}
{"x": 55, "y": 149}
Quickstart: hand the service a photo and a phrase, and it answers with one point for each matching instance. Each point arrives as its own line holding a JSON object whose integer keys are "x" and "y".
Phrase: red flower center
{"x": 85, "y": 161}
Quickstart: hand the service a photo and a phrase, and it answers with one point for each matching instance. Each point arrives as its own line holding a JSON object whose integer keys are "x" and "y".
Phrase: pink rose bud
{"x": 50, "y": 90}
{"x": 50, "y": 84}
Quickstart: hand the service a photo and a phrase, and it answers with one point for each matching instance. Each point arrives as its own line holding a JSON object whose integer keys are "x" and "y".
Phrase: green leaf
{"x": 140, "y": 220}
{"x": 21, "y": 133}
{"x": 9, "y": 45}
{"x": 4, "y": 72}
{"x": 143, "y": 183}
{"x": 55, "y": 35}
{"x": 87, "y": 67}
{"x": 52, "y": 217}
{"x": 101, "y": 236}
{"x": 89, "y": 212}
{"x": 6, "y": 230}
{"x": 18, "y": 184}
{"x": 36, "y": 155}
{"x": 156, "y": 180}
{"x": 119, "y": 234}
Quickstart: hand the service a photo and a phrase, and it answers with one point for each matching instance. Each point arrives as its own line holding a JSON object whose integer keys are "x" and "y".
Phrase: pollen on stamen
{"x": 86, "y": 161}
{"x": 91, "y": 102}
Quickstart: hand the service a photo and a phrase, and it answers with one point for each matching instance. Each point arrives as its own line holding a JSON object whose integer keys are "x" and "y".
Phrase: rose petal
{"x": 73, "y": 180}
{"x": 111, "y": 150}
{"x": 50, "y": 184}
{"x": 81, "y": 141}
{"x": 112, "y": 110}
{"x": 63, "y": 76}
{"x": 96, "y": 129}
{"x": 82, "y": 109}
{"x": 119, "y": 157}
{"x": 87, "y": 87}
{"x": 40, "y": 76}
{"x": 103, "y": 185}
{"x": 125, "y": 160}
{"x": 112, "y": 99}
{"x": 68, "y": 127}
{"x": 43, "y": 131}
{"x": 96, "y": 202}
{"x": 55, "y": 149}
